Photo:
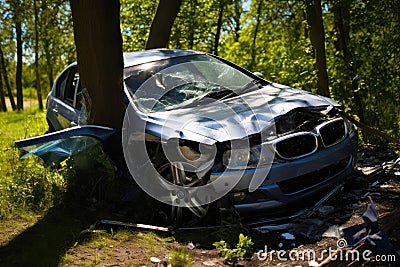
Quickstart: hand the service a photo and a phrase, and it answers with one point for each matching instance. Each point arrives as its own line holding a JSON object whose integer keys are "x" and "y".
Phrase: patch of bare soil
{"x": 12, "y": 228}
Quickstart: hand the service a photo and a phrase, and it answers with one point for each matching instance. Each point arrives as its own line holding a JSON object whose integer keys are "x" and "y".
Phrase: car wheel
{"x": 181, "y": 215}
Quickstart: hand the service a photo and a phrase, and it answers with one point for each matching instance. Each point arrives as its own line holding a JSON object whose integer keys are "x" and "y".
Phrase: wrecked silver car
{"x": 202, "y": 136}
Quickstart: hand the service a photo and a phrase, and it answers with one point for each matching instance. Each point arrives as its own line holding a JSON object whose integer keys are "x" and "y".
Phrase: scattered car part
{"x": 133, "y": 226}
{"x": 55, "y": 147}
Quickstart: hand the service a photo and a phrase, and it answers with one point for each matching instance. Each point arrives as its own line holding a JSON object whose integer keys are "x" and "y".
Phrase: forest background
{"x": 361, "y": 39}
{"x": 358, "y": 49}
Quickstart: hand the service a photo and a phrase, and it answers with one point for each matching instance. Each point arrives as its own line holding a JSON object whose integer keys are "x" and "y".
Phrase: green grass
{"x": 180, "y": 258}
{"x": 25, "y": 185}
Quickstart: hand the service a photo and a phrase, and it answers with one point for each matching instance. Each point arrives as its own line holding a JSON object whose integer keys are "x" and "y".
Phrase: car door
{"x": 55, "y": 147}
{"x": 65, "y": 104}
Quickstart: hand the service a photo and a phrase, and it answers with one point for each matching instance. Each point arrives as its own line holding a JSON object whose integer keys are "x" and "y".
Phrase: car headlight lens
{"x": 193, "y": 156}
{"x": 256, "y": 156}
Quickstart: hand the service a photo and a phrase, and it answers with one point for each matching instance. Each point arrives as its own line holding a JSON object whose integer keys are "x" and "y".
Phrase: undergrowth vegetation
{"x": 243, "y": 249}
{"x": 26, "y": 185}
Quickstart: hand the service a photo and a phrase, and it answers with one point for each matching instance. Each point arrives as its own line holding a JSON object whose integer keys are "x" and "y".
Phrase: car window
{"x": 61, "y": 82}
{"x": 70, "y": 87}
{"x": 177, "y": 82}
{"x": 77, "y": 92}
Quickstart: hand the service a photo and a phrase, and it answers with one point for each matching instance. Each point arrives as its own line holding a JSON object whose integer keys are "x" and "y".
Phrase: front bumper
{"x": 293, "y": 181}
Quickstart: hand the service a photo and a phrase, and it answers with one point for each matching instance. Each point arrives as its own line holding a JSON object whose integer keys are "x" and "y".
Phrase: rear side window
{"x": 61, "y": 82}
{"x": 71, "y": 86}
{"x": 68, "y": 87}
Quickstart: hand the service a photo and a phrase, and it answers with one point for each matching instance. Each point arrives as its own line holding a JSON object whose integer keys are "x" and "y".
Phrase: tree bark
{"x": 5, "y": 76}
{"x": 192, "y": 26}
{"x": 100, "y": 61}
{"x": 3, "y": 105}
{"x": 317, "y": 38}
{"x": 49, "y": 64}
{"x": 38, "y": 89}
{"x": 341, "y": 14}
{"x": 237, "y": 7}
{"x": 98, "y": 43}
{"x": 253, "y": 45}
{"x": 18, "y": 75}
{"x": 219, "y": 27}
{"x": 161, "y": 26}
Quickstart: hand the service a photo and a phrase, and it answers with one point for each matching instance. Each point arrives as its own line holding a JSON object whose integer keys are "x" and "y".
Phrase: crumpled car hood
{"x": 234, "y": 118}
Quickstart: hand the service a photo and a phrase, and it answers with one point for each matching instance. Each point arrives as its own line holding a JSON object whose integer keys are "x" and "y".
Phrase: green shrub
{"x": 243, "y": 249}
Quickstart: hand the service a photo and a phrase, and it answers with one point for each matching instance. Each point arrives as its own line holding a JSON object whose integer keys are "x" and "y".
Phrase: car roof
{"x": 140, "y": 57}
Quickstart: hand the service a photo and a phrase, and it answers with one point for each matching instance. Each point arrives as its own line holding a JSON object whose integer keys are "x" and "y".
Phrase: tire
{"x": 179, "y": 216}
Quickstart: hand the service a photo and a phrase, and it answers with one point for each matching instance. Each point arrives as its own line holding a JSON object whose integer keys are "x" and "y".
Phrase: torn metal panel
{"x": 371, "y": 232}
{"x": 55, "y": 147}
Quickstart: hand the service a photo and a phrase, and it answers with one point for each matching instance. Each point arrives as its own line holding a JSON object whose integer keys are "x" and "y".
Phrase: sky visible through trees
{"x": 272, "y": 37}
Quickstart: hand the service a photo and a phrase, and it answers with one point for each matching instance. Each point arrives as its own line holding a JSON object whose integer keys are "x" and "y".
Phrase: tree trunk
{"x": 219, "y": 27}
{"x": 317, "y": 38}
{"x": 38, "y": 90}
{"x": 100, "y": 61}
{"x": 3, "y": 105}
{"x": 161, "y": 26}
{"x": 192, "y": 26}
{"x": 253, "y": 45}
{"x": 18, "y": 75}
{"x": 237, "y": 7}
{"x": 341, "y": 13}
{"x": 49, "y": 64}
{"x": 5, "y": 76}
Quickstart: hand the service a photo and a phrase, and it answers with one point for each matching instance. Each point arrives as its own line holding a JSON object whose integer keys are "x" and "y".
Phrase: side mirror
{"x": 259, "y": 74}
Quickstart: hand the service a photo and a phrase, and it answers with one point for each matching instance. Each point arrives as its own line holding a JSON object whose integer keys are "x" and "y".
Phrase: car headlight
{"x": 256, "y": 156}
{"x": 194, "y": 157}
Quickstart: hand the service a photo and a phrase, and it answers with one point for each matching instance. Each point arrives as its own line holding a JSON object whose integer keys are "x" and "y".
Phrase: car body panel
{"x": 55, "y": 147}
{"x": 62, "y": 115}
{"x": 135, "y": 58}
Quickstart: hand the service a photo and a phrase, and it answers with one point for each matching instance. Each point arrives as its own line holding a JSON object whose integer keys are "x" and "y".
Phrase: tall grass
{"x": 25, "y": 185}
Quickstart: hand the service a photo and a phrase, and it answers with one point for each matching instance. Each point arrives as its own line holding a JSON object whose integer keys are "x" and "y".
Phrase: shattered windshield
{"x": 177, "y": 82}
